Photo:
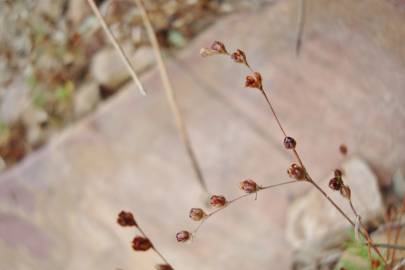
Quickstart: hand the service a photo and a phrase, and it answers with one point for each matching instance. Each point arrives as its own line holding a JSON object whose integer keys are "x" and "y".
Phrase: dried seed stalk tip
{"x": 163, "y": 267}
{"x": 217, "y": 201}
{"x": 141, "y": 243}
{"x": 297, "y": 172}
{"x": 183, "y": 236}
{"x": 254, "y": 81}
{"x": 216, "y": 48}
{"x": 126, "y": 219}
{"x": 197, "y": 214}
{"x": 239, "y": 57}
{"x": 289, "y": 143}
{"x": 343, "y": 149}
{"x": 249, "y": 186}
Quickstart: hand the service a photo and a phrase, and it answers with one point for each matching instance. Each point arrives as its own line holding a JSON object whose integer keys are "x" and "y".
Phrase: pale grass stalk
{"x": 117, "y": 46}
{"x": 171, "y": 97}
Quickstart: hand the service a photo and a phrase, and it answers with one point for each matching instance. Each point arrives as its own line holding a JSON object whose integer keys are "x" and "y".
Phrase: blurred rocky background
{"x": 78, "y": 143}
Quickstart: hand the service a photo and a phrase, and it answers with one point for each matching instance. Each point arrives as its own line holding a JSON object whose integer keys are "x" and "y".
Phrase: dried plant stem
{"x": 389, "y": 246}
{"x": 230, "y": 202}
{"x": 308, "y": 178}
{"x": 398, "y": 230}
{"x": 153, "y": 246}
{"x": 301, "y": 24}
{"x": 171, "y": 97}
{"x": 117, "y": 46}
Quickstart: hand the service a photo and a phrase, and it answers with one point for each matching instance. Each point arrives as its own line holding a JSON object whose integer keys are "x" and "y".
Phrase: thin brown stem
{"x": 230, "y": 202}
{"x": 273, "y": 111}
{"x": 301, "y": 24}
{"x": 117, "y": 46}
{"x": 153, "y": 246}
{"x": 398, "y": 231}
{"x": 171, "y": 97}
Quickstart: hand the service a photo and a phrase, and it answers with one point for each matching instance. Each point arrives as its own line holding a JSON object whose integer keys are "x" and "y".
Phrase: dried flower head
{"x": 217, "y": 201}
{"x": 345, "y": 192}
{"x": 216, "y": 48}
{"x": 254, "y": 81}
{"x": 335, "y": 183}
{"x": 343, "y": 149}
{"x": 219, "y": 47}
{"x": 141, "y": 243}
{"x": 197, "y": 214}
{"x": 297, "y": 172}
{"x": 183, "y": 236}
{"x": 163, "y": 267}
{"x": 239, "y": 57}
{"x": 249, "y": 186}
{"x": 289, "y": 143}
{"x": 126, "y": 219}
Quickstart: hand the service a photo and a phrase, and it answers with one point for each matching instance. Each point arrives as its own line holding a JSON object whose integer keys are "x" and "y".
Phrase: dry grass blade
{"x": 171, "y": 97}
{"x": 117, "y": 46}
{"x": 301, "y": 23}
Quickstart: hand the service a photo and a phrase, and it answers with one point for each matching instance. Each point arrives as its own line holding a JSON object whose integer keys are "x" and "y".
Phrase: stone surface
{"x": 109, "y": 70}
{"x": 86, "y": 98}
{"x": 312, "y": 219}
{"x": 58, "y": 207}
{"x": 14, "y": 101}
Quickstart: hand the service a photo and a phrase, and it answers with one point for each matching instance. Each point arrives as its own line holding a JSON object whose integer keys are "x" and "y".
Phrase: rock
{"x": 52, "y": 8}
{"x": 398, "y": 181}
{"x": 312, "y": 219}
{"x": 109, "y": 70}
{"x": 86, "y": 99}
{"x": 78, "y": 10}
{"x": 14, "y": 102}
{"x": 33, "y": 118}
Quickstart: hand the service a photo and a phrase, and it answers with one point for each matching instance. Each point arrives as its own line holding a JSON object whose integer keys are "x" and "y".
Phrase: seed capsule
{"x": 335, "y": 183}
{"x": 197, "y": 214}
{"x": 217, "y": 201}
{"x": 254, "y": 81}
{"x": 249, "y": 186}
{"x": 163, "y": 267}
{"x": 338, "y": 173}
{"x": 297, "y": 172}
{"x": 239, "y": 57}
{"x": 345, "y": 192}
{"x": 126, "y": 219}
{"x": 141, "y": 243}
{"x": 183, "y": 236}
{"x": 219, "y": 47}
{"x": 289, "y": 143}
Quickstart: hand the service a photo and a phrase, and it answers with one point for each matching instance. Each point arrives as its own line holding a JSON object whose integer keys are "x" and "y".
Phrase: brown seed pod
{"x": 163, "y": 267}
{"x": 217, "y": 201}
{"x": 197, "y": 214}
{"x": 141, "y": 243}
{"x": 219, "y": 47}
{"x": 239, "y": 57}
{"x": 335, "y": 183}
{"x": 345, "y": 192}
{"x": 183, "y": 236}
{"x": 249, "y": 186}
{"x": 338, "y": 173}
{"x": 297, "y": 172}
{"x": 126, "y": 219}
{"x": 289, "y": 143}
{"x": 254, "y": 81}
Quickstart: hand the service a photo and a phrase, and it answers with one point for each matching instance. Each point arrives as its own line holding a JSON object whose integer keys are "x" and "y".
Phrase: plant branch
{"x": 171, "y": 97}
{"x": 153, "y": 246}
{"x": 117, "y": 46}
{"x": 230, "y": 202}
